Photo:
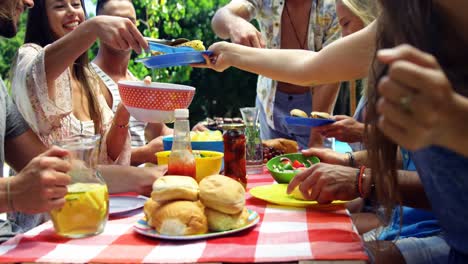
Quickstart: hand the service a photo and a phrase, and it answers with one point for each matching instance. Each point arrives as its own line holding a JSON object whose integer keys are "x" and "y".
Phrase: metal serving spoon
{"x": 168, "y": 42}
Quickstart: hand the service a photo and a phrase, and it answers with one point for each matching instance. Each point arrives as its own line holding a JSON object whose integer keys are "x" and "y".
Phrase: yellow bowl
{"x": 207, "y": 163}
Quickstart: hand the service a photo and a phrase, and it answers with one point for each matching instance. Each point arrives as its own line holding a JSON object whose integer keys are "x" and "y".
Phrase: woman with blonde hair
{"x": 353, "y": 16}
{"x": 365, "y": 10}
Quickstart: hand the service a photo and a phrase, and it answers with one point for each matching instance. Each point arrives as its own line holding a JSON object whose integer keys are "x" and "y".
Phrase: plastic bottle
{"x": 181, "y": 159}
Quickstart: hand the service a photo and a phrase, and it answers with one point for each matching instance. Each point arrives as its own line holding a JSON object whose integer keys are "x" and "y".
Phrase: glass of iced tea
{"x": 86, "y": 206}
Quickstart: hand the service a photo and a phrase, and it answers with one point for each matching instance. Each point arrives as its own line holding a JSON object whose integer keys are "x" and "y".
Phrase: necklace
{"x": 302, "y": 44}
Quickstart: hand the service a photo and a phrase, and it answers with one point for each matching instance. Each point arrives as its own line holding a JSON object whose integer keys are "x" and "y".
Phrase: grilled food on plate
{"x": 298, "y": 113}
{"x": 321, "y": 115}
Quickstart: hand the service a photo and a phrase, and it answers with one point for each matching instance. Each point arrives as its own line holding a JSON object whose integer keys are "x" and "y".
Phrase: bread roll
{"x": 298, "y": 113}
{"x": 282, "y": 144}
{"x": 297, "y": 194}
{"x": 222, "y": 193}
{"x": 149, "y": 208}
{"x": 321, "y": 115}
{"x": 180, "y": 218}
{"x": 218, "y": 221}
{"x": 169, "y": 188}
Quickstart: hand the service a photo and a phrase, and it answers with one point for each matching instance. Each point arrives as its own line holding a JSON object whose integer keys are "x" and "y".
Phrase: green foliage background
{"x": 217, "y": 94}
{"x": 8, "y": 49}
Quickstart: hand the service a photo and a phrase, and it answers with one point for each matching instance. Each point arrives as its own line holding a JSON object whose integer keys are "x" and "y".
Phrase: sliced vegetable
{"x": 288, "y": 166}
{"x": 297, "y": 164}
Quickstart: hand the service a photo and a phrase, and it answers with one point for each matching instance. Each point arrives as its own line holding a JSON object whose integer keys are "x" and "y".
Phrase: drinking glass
{"x": 86, "y": 208}
{"x": 254, "y": 148}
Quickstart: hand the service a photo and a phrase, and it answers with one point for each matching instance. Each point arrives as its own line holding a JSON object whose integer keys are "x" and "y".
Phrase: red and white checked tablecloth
{"x": 283, "y": 234}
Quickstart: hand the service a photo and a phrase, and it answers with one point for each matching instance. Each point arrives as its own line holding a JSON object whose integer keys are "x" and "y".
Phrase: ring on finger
{"x": 405, "y": 102}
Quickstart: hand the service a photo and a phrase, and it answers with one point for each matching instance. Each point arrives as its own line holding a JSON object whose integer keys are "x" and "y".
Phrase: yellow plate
{"x": 276, "y": 193}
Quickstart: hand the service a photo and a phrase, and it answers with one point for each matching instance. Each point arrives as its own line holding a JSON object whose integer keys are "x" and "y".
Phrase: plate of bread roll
{"x": 300, "y": 118}
{"x": 182, "y": 209}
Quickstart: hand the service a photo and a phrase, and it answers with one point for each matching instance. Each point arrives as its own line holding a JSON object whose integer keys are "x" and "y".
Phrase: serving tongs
{"x": 168, "y": 42}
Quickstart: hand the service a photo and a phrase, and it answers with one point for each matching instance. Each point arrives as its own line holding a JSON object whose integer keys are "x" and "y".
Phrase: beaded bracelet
{"x": 357, "y": 181}
{"x": 122, "y": 126}
{"x": 361, "y": 177}
{"x": 9, "y": 200}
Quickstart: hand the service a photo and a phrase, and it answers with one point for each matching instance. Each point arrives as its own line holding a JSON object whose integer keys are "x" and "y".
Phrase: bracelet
{"x": 122, "y": 126}
{"x": 351, "y": 162}
{"x": 9, "y": 200}
{"x": 357, "y": 181}
{"x": 361, "y": 176}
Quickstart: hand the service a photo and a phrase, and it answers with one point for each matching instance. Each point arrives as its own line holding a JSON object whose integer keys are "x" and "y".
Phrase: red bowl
{"x": 154, "y": 102}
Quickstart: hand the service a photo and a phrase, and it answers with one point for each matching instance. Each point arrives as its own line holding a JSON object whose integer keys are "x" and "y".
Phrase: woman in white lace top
{"x": 53, "y": 86}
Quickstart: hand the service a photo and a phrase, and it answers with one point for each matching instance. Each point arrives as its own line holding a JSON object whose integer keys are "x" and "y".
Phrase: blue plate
{"x": 174, "y": 59}
{"x": 196, "y": 145}
{"x": 308, "y": 122}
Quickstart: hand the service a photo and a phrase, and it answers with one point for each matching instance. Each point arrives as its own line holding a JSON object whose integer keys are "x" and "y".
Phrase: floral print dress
{"x": 51, "y": 116}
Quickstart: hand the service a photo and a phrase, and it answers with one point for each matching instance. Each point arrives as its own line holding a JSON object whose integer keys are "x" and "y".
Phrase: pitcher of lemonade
{"x": 86, "y": 206}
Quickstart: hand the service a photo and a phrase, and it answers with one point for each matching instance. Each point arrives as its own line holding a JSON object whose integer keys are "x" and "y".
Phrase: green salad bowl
{"x": 286, "y": 176}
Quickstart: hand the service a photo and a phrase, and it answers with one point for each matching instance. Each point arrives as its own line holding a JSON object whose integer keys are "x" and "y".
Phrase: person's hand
{"x": 147, "y": 80}
{"x": 156, "y": 145}
{"x": 42, "y": 185}
{"x": 244, "y": 33}
{"x": 150, "y": 149}
{"x": 220, "y": 60}
{"x": 325, "y": 183}
{"x": 200, "y": 127}
{"x": 119, "y": 33}
{"x": 345, "y": 129}
{"x": 145, "y": 179}
{"x": 418, "y": 106}
{"x": 327, "y": 155}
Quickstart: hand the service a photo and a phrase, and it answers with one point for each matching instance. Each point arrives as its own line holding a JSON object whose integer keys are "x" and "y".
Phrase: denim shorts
{"x": 430, "y": 250}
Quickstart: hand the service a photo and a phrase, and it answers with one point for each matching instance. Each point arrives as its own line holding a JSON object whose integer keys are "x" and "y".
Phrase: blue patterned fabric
{"x": 444, "y": 175}
{"x": 416, "y": 223}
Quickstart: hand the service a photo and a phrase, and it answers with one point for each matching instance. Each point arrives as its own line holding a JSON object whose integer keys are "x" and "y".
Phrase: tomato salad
{"x": 286, "y": 165}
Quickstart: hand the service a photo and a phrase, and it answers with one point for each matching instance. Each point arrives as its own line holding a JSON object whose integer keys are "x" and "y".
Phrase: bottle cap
{"x": 232, "y": 126}
{"x": 181, "y": 113}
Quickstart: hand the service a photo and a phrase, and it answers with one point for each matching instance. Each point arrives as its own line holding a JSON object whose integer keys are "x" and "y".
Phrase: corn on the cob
{"x": 196, "y": 44}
